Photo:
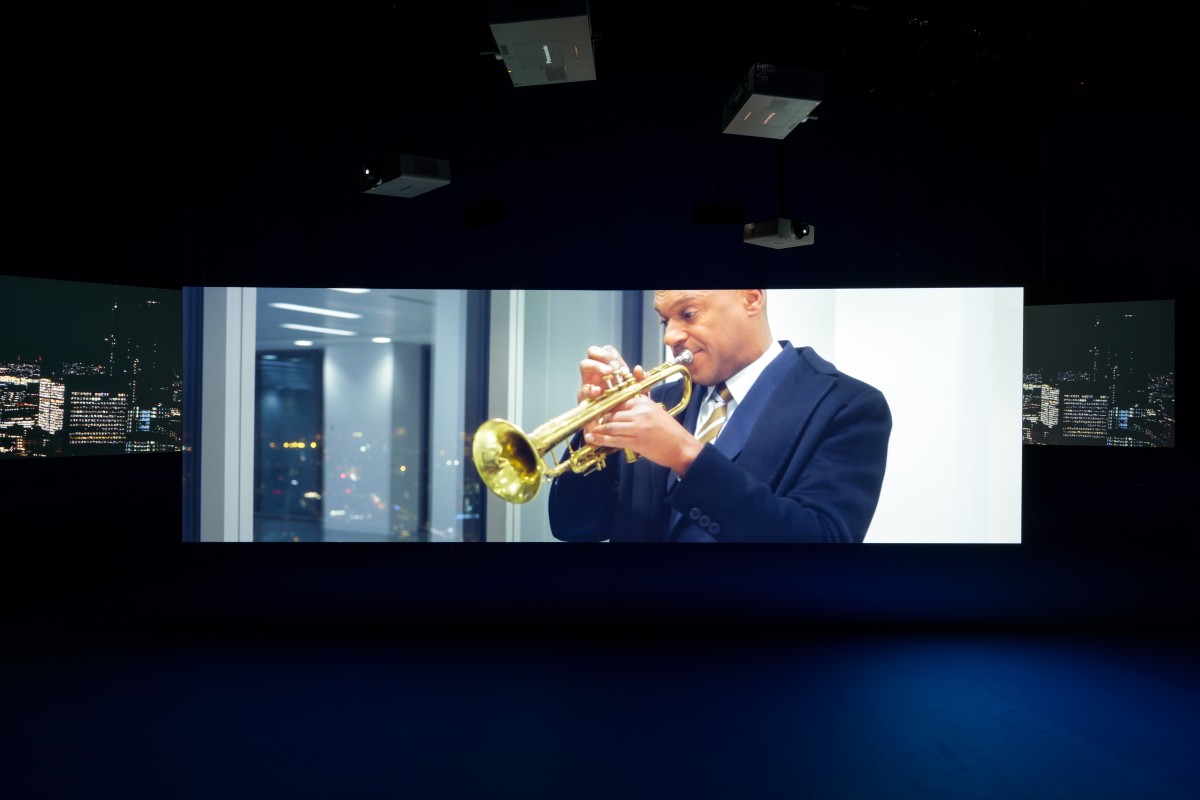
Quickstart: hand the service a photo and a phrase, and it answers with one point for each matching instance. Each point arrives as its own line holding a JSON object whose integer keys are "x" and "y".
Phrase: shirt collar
{"x": 740, "y": 383}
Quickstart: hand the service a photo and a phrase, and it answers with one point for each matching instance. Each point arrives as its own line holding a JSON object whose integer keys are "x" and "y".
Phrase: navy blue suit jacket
{"x": 801, "y": 459}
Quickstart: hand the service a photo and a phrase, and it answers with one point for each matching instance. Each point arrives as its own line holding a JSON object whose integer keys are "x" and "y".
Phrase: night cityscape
{"x": 89, "y": 369}
{"x": 1100, "y": 374}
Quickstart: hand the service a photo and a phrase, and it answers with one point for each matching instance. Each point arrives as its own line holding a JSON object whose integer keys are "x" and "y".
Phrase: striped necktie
{"x": 716, "y": 420}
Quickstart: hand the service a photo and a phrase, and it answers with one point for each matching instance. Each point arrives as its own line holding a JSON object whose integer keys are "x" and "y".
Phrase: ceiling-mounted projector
{"x": 404, "y": 175}
{"x": 772, "y": 101}
{"x": 778, "y": 233}
{"x": 544, "y": 42}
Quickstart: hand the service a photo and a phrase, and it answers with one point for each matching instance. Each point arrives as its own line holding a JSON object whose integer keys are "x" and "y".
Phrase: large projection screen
{"x": 949, "y": 361}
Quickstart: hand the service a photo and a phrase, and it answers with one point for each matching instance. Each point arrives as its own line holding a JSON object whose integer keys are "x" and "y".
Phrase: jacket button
{"x": 714, "y": 529}
{"x": 703, "y": 521}
{"x": 694, "y": 513}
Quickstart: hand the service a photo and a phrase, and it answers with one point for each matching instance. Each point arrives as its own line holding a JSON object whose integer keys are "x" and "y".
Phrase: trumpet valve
{"x": 618, "y": 377}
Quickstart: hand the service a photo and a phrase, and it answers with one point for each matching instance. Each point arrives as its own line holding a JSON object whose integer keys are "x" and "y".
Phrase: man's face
{"x": 714, "y": 324}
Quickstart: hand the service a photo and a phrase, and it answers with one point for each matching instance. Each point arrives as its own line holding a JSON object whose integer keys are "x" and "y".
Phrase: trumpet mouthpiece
{"x": 684, "y": 357}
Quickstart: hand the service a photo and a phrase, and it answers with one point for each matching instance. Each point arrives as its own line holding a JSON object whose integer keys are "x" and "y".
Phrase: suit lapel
{"x": 782, "y": 420}
{"x": 745, "y": 416}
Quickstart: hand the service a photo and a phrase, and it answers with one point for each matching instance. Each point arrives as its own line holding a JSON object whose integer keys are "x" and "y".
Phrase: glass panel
{"x": 360, "y": 411}
{"x": 288, "y": 433}
{"x": 537, "y": 340}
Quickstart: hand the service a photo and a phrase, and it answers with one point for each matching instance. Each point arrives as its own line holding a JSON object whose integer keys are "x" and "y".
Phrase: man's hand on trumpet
{"x": 639, "y": 424}
{"x": 603, "y": 367}
{"x": 645, "y": 427}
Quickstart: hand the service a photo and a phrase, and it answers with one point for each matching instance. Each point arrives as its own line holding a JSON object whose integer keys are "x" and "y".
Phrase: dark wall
{"x": 215, "y": 153}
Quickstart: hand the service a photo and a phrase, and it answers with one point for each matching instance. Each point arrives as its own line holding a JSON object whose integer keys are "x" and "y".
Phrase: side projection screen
{"x": 1100, "y": 374}
{"x": 89, "y": 369}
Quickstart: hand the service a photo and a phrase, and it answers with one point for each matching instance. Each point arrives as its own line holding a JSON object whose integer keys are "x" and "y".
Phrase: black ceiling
{"x": 73, "y": 64}
{"x": 886, "y": 50}
{"x": 933, "y": 52}
{"x": 72, "y": 70}
{"x": 233, "y": 133}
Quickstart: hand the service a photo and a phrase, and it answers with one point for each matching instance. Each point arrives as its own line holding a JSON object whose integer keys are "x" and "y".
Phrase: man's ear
{"x": 754, "y": 301}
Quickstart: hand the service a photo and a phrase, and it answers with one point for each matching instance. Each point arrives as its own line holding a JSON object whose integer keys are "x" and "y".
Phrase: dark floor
{"x": 136, "y": 666}
{"x": 890, "y": 715}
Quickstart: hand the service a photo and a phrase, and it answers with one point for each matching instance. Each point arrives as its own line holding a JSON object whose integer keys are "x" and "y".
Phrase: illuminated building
{"x": 156, "y": 429}
{"x": 51, "y": 396}
{"x": 97, "y": 414}
{"x": 18, "y": 401}
{"x": 1084, "y": 416}
{"x": 1048, "y": 407}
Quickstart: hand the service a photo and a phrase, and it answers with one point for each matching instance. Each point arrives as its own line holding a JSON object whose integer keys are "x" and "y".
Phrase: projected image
{"x": 360, "y": 418}
{"x": 1100, "y": 374}
{"x": 89, "y": 369}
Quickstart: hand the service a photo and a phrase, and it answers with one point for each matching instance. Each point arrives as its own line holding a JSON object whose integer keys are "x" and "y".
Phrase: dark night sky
{"x": 1060, "y": 336}
{"x": 68, "y": 320}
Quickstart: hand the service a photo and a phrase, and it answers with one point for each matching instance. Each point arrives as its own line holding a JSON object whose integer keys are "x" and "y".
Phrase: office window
{"x": 336, "y": 415}
{"x": 288, "y": 452}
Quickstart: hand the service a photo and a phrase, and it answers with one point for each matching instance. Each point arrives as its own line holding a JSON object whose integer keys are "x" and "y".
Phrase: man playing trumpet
{"x": 775, "y": 445}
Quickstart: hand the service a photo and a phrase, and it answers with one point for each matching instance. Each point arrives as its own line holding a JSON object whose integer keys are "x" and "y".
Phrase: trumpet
{"x": 512, "y": 463}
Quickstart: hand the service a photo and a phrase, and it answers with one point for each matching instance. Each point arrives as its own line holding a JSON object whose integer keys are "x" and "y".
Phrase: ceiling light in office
{"x": 325, "y": 312}
{"x": 314, "y": 329}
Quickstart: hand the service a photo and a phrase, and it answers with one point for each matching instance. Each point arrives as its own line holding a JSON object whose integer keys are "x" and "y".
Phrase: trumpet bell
{"x": 507, "y": 461}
